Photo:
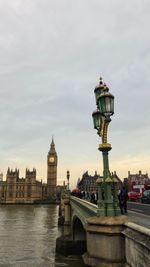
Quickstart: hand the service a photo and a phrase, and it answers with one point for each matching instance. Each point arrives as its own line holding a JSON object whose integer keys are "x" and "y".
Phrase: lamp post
{"x": 107, "y": 186}
{"x": 68, "y": 177}
{"x": 67, "y": 209}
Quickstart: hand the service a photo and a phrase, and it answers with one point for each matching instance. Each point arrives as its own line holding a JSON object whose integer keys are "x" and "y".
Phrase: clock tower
{"x": 51, "y": 171}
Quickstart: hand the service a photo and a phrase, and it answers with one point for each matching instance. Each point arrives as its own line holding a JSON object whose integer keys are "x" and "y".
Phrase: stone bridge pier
{"x": 103, "y": 241}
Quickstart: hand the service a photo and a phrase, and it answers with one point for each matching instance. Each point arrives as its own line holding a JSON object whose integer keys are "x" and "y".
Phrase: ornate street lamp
{"x": 66, "y": 185}
{"x": 107, "y": 187}
{"x": 68, "y": 177}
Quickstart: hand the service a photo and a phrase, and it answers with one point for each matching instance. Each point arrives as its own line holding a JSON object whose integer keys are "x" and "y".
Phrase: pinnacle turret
{"x": 52, "y": 146}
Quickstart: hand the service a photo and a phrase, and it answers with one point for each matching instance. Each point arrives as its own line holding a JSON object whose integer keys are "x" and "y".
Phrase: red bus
{"x": 137, "y": 188}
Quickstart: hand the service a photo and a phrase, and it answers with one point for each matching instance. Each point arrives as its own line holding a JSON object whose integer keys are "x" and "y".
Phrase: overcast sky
{"x": 52, "y": 53}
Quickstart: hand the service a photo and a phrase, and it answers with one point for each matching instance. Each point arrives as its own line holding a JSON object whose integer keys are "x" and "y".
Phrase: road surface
{"x": 139, "y": 213}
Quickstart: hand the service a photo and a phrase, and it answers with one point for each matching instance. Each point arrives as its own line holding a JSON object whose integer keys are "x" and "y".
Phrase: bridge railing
{"x": 83, "y": 208}
{"x": 137, "y": 245}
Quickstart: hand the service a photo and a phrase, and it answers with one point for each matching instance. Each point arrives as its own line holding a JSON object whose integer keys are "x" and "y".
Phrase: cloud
{"x": 52, "y": 54}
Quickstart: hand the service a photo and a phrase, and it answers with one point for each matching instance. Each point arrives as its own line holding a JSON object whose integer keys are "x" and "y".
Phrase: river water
{"x": 28, "y": 237}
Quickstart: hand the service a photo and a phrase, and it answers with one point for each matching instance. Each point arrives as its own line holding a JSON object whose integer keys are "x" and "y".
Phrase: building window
{"x": 10, "y": 194}
{"x": 29, "y": 187}
{"x": 10, "y": 187}
{"x": 29, "y": 191}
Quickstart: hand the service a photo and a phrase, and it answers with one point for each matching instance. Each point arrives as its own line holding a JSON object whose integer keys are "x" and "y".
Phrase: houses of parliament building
{"x": 29, "y": 190}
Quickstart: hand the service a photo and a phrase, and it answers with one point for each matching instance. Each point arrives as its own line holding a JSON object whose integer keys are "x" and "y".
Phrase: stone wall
{"x": 137, "y": 245}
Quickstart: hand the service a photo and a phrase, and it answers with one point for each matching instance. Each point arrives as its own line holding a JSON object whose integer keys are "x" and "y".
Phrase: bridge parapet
{"x": 137, "y": 245}
{"x": 82, "y": 209}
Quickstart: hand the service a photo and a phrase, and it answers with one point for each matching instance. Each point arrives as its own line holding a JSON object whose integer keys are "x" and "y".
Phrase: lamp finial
{"x": 100, "y": 80}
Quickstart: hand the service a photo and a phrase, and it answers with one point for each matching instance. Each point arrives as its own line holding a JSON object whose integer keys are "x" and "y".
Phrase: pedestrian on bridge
{"x": 123, "y": 197}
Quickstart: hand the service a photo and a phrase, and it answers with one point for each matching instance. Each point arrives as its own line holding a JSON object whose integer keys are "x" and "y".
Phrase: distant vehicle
{"x": 134, "y": 196}
{"x": 146, "y": 197}
{"x": 138, "y": 187}
{"x": 76, "y": 192}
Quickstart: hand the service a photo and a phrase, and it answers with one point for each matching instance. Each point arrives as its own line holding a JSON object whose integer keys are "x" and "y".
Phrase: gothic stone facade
{"x": 20, "y": 190}
{"x": 88, "y": 182}
{"x": 28, "y": 189}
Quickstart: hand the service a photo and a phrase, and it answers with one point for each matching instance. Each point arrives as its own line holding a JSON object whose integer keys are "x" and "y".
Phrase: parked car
{"x": 146, "y": 197}
{"x": 134, "y": 196}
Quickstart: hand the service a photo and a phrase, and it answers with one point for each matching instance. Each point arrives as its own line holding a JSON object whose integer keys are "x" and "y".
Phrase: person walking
{"x": 123, "y": 197}
{"x": 93, "y": 197}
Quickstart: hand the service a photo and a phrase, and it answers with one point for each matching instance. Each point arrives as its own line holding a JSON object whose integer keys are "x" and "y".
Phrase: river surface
{"x": 28, "y": 237}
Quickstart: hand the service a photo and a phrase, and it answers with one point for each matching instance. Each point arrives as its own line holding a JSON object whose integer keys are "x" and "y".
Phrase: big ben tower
{"x": 51, "y": 171}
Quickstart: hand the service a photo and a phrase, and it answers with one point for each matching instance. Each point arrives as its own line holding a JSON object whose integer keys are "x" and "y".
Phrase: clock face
{"x": 51, "y": 159}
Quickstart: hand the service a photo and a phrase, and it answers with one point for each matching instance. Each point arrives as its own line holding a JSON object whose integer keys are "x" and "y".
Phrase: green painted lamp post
{"x": 107, "y": 187}
{"x": 67, "y": 187}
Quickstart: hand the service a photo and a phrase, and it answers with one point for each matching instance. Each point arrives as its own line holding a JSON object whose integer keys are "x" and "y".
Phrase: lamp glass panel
{"x": 96, "y": 119}
{"x": 101, "y": 104}
{"x": 112, "y": 105}
{"x": 108, "y": 104}
{"x": 97, "y": 92}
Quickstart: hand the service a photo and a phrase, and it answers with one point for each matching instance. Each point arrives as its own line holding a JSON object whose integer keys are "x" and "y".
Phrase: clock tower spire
{"x": 51, "y": 171}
